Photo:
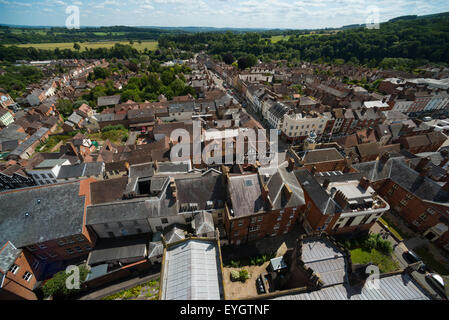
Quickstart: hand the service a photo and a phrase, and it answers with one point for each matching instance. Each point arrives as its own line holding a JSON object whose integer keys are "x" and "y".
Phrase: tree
{"x": 76, "y": 46}
{"x": 228, "y": 58}
{"x": 56, "y": 287}
{"x": 65, "y": 107}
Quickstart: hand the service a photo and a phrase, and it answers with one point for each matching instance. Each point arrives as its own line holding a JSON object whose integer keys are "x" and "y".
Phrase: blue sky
{"x": 295, "y": 14}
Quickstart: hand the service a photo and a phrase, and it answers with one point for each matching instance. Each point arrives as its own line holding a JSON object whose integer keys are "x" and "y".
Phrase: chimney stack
{"x": 313, "y": 170}
{"x": 364, "y": 183}
{"x": 155, "y": 165}
{"x": 385, "y": 157}
{"x": 326, "y": 183}
{"x": 287, "y": 191}
{"x": 291, "y": 164}
{"x": 422, "y": 164}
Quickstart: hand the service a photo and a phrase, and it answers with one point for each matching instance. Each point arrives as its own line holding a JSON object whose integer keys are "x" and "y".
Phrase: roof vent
{"x": 27, "y": 214}
{"x": 38, "y": 201}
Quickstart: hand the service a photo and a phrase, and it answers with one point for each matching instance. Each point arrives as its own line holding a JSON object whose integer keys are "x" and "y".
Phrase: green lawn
{"x": 150, "y": 45}
{"x": 275, "y": 39}
{"x": 115, "y": 136}
{"x": 384, "y": 262}
{"x": 430, "y": 261}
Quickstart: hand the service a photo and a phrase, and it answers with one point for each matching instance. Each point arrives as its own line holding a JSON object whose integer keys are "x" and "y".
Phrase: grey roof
{"x": 116, "y": 253}
{"x": 322, "y": 155}
{"x": 87, "y": 169}
{"x": 174, "y": 234}
{"x": 136, "y": 209}
{"x": 199, "y": 190}
{"x": 50, "y": 163}
{"x": 155, "y": 249}
{"x": 188, "y": 106}
{"x": 279, "y": 110}
{"x": 75, "y": 118}
{"x": 203, "y": 223}
{"x": 246, "y": 195}
{"x": 10, "y": 133}
{"x": 30, "y": 141}
{"x": 319, "y": 196}
{"x": 395, "y": 287}
{"x": 117, "y": 211}
{"x": 192, "y": 272}
{"x": 97, "y": 271}
{"x": 108, "y": 101}
{"x": 58, "y": 214}
{"x": 325, "y": 259}
{"x": 399, "y": 172}
{"x": 275, "y": 189}
{"x": 8, "y": 255}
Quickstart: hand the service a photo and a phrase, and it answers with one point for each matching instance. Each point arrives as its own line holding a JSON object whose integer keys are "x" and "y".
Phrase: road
{"x": 248, "y": 110}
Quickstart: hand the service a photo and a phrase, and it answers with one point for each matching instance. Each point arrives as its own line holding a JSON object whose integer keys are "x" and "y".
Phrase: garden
{"x": 145, "y": 291}
{"x": 372, "y": 249}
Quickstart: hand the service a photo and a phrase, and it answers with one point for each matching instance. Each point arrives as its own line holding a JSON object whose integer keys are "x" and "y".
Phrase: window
{"x": 42, "y": 246}
{"x": 111, "y": 234}
{"x": 52, "y": 255}
{"x": 240, "y": 223}
{"x": 423, "y": 217}
{"x": 79, "y": 238}
{"x": 27, "y": 276}
{"x": 259, "y": 219}
{"x": 254, "y": 228}
{"x": 164, "y": 220}
{"x": 159, "y": 229}
{"x": 276, "y": 226}
{"x": 403, "y": 202}
{"x": 70, "y": 251}
{"x": 254, "y": 220}
{"x": 78, "y": 248}
{"x": 87, "y": 248}
{"x": 61, "y": 242}
{"x": 417, "y": 223}
{"x": 395, "y": 187}
{"x": 42, "y": 257}
{"x": 35, "y": 265}
{"x": 14, "y": 268}
{"x": 236, "y": 234}
{"x": 409, "y": 196}
{"x": 430, "y": 211}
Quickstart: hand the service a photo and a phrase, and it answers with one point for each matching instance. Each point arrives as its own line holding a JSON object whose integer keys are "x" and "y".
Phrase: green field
{"x": 150, "y": 45}
{"x": 275, "y": 39}
{"x": 384, "y": 262}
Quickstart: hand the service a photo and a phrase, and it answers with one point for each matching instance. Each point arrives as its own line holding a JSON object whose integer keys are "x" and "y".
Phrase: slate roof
{"x": 276, "y": 185}
{"x": 325, "y": 259}
{"x": 8, "y": 255}
{"x": 108, "y": 190}
{"x": 203, "y": 223}
{"x": 399, "y": 172}
{"x": 108, "y": 100}
{"x": 155, "y": 249}
{"x": 319, "y": 196}
{"x": 59, "y": 214}
{"x": 246, "y": 196}
{"x": 117, "y": 252}
{"x": 209, "y": 187}
{"x": 395, "y": 287}
{"x": 322, "y": 155}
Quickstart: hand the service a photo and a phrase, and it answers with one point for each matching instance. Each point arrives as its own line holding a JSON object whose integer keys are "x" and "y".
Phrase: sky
{"x": 285, "y": 14}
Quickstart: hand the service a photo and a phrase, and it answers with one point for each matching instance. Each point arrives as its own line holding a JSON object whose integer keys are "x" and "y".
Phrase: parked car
{"x": 437, "y": 282}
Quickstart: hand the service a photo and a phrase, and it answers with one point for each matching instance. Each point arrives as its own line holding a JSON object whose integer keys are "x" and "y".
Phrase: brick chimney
{"x": 291, "y": 164}
{"x": 385, "y": 157}
{"x": 287, "y": 192}
{"x": 313, "y": 170}
{"x": 364, "y": 183}
{"x": 422, "y": 164}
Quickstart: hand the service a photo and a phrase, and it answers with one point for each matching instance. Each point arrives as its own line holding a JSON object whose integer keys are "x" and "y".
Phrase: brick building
{"x": 262, "y": 204}
{"x": 339, "y": 203}
{"x": 421, "y": 202}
